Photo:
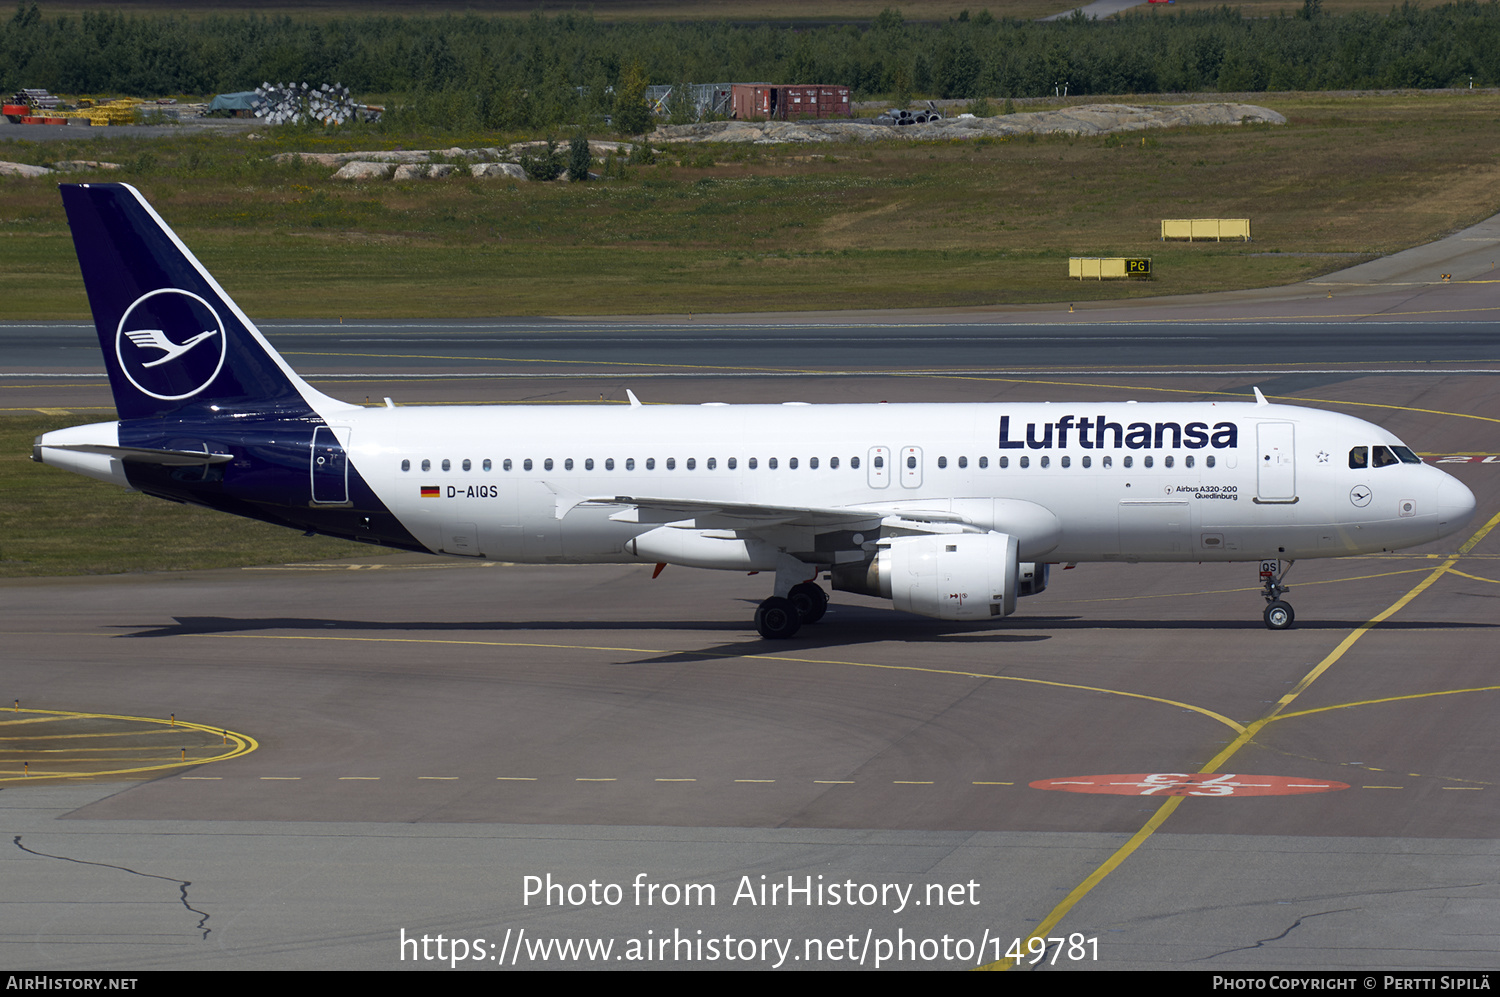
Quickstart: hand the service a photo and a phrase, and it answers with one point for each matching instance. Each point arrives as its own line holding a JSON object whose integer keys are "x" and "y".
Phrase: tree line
{"x": 540, "y": 71}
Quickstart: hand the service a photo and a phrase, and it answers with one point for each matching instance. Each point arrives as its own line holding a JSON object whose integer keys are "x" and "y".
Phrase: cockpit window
{"x": 1382, "y": 457}
{"x": 1359, "y": 458}
{"x": 1406, "y": 455}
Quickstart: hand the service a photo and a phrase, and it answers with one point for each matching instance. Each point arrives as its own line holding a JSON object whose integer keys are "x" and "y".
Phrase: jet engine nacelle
{"x": 954, "y": 576}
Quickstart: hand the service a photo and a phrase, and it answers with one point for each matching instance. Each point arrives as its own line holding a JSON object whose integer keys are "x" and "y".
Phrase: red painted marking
{"x": 1190, "y": 784}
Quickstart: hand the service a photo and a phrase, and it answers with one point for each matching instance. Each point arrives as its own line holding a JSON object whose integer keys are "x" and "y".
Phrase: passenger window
{"x": 650, "y": 463}
{"x": 812, "y": 463}
{"x": 963, "y": 462}
{"x": 733, "y": 463}
{"x": 912, "y": 462}
{"x": 526, "y": 464}
{"x": 1209, "y": 460}
{"x": 609, "y": 463}
{"x": 713, "y": 462}
{"x": 984, "y": 462}
{"x": 854, "y": 462}
{"x": 771, "y": 463}
{"x": 487, "y": 465}
{"x": 1189, "y": 460}
{"x": 1109, "y": 461}
{"x": 1067, "y": 461}
{"x": 426, "y": 465}
{"x": 1129, "y": 460}
{"x": 1150, "y": 460}
{"x": 1025, "y": 461}
{"x": 1088, "y": 461}
{"x": 447, "y": 464}
{"x": 568, "y": 464}
{"x": 467, "y": 465}
{"x": 406, "y": 465}
{"x": 879, "y": 462}
{"x": 1005, "y": 462}
{"x": 792, "y": 464}
{"x": 1167, "y": 462}
{"x": 588, "y": 463}
{"x": 671, "y": 463}
{"x": 547, "y": 464}
{"x": 754, "y": 463}
{"x": 1046, "y": 460}
{"x": 630, "y": 463}
{"x": 1359, "y": 458}
{"x": 506, "y": 465}
{"x": 692, "y": 463}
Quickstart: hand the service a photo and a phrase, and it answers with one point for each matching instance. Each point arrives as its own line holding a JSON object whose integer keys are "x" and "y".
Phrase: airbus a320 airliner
{"x": 949, "y": 510}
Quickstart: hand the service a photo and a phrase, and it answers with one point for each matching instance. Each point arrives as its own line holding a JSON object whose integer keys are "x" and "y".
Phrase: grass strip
{"x": 745, "y": 228}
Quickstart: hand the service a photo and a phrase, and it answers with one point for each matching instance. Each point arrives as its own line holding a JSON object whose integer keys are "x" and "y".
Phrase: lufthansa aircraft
{"x": 949, "y": 510}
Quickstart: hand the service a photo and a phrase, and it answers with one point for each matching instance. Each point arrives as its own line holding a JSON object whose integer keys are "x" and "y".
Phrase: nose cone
{"x": 1455, "y": 505}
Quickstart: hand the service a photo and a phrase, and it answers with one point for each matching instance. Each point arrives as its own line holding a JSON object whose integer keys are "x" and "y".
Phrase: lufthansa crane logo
{"x": 170, "y": 344}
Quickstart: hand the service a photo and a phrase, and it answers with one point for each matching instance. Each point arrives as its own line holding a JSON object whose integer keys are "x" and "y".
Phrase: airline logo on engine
{"x": 1100, "y": 433}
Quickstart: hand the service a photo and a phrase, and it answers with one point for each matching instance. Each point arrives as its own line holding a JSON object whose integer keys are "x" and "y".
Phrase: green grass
{"x": 56, "y": 523}
{"x": 887, "y": 224}
{"x": 663, "y": 10}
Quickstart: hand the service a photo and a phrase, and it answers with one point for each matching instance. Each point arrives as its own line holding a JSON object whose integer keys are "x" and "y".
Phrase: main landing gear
{"x": 1278, "y": 615}
{"x": 781, "y": 616}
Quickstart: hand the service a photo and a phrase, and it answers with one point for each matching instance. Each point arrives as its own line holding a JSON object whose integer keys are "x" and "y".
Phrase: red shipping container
{"x": 771, "y": 102}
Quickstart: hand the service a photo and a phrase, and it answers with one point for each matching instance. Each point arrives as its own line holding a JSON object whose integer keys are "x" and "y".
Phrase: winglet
{"x": 1260, "y": 399}
{"x": 634, "y": 401}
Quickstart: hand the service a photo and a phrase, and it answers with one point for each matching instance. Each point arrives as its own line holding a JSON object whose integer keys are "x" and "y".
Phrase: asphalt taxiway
{"x": 1132, "y": 763}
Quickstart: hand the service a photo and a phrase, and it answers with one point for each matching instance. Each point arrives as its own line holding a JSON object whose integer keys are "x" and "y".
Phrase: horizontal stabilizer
{"x": 139, "y": 455}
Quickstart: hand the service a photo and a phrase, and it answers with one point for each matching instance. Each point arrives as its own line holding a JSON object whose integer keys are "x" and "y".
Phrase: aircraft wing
{"x": 718, "y": 515}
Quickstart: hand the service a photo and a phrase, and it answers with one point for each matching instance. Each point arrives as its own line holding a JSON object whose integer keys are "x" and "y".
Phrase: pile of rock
{"x": 23, "y": 170}
{"x": 1087, "y": 119}
{"x": 66, "y": 166}
{"x": 418, "y": 164}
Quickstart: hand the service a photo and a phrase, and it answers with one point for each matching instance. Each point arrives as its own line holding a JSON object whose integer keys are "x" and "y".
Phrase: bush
{"x": 579, "y": 158}
{"x": 641, "y": 154}
{"x": 549, "y": 165}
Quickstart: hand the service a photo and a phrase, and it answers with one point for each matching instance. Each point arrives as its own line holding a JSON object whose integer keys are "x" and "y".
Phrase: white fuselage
{"x": 1073, "y": 481}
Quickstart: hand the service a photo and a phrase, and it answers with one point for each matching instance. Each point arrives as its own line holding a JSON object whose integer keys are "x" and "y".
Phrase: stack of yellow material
{"x": 117, "y": 112}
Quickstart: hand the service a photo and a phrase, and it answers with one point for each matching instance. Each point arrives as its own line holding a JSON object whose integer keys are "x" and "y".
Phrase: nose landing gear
{"x": 1278, "y": 614}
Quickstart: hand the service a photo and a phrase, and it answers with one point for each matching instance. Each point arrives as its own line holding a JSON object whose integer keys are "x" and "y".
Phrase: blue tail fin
{"x": 172, "y": 339}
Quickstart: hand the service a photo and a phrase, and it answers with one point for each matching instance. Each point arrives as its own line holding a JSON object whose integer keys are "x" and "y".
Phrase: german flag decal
{"x": 431, "y": 491}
